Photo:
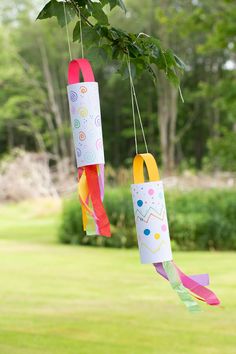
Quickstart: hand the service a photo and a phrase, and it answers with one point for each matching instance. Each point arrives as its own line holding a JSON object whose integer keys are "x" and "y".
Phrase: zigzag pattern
{"x": 151, "y": 212}
{"x": 154, "y": 250}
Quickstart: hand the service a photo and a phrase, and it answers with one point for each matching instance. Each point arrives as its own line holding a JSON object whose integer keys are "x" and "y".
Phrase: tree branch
{"x": 78, "y": 12}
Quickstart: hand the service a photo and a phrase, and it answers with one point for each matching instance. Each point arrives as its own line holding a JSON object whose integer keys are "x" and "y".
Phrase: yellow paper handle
{"x": 151, "y": 165}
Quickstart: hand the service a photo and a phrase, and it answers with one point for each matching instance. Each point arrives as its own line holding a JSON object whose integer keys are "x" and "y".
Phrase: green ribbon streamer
{"x": 91, "y": 226}
{"x": 178, "y": 287}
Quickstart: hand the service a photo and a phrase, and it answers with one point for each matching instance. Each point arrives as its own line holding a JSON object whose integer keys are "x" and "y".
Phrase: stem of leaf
{"x": 78, "y": 12}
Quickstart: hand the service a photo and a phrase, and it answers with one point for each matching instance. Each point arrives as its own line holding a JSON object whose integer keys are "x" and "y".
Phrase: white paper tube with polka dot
{"x": 86, "y": 124}
{"x": 151, "y": 222}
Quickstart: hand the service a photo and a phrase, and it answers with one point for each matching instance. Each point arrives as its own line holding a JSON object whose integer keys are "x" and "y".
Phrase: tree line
{"x": 199, "y": 133}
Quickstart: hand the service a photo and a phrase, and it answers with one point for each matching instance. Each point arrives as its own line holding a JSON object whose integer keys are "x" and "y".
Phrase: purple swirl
{"x": 98, "y": 121}
{"x": 73, "y": 96}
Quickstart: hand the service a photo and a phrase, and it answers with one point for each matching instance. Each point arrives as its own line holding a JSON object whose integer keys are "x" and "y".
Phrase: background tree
{"x": 34, "y": 111}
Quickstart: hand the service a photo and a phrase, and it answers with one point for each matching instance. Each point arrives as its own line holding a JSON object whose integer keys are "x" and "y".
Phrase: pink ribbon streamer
{"x": 101, "y": 185}
{"x": 202, "y": 279}
{"x": 101, "y": 180}
{"x": 201, "y": 291}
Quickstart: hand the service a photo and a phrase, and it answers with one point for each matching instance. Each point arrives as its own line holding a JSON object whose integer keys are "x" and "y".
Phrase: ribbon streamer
{"x": 196, "y": 284}
{"x": 202, "y": 279}
{"x": 204, "y": 293}
{"x": 177, "y": 286}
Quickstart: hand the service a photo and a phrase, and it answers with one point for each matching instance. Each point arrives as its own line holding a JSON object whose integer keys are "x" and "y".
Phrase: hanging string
{"x": 139, "y": 116}
{"x": 67, "y": 31}
{"x": 132, "y": 103}
{"x": 181, "y": 94}
{"x": 135, "y": 100}
{"x": 81, "y": 35}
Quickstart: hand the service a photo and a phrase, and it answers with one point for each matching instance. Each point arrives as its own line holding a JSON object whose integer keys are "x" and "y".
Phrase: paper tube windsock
{"x": 154, "y": 238}
{"x": 86, "y": 125}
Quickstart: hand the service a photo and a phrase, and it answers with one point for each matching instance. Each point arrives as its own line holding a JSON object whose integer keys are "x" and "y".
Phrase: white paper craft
{"x": 86, "y": 124}
{"x": 151, "y": 222}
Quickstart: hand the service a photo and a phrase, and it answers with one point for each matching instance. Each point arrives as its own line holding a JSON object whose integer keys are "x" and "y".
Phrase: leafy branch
{"x": 145, "y": 52}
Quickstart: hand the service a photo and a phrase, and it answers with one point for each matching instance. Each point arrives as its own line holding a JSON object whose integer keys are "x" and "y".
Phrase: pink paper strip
{"x": 101, "y": 180}
{"x": 202, "y": 279}
{"x": 205, "y": 293}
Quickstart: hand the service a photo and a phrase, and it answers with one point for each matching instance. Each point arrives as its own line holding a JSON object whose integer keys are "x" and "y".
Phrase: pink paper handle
{"x": 78, "y": 66}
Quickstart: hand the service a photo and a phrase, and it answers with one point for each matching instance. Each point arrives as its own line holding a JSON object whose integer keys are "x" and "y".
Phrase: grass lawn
{"x": 57, "y": 299}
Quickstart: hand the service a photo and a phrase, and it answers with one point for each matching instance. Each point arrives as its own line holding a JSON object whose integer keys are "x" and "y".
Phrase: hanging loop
{"x": 78, "y": 66}
{"x": 151, "y": 165}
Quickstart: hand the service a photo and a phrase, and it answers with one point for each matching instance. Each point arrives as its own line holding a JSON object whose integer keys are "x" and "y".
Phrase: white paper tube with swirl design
{"x": 86, "y": 123}
{"x": 151, "y": 222}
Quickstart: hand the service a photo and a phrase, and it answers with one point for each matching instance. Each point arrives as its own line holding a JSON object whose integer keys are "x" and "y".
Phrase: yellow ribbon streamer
{"x": 83, "y": 193}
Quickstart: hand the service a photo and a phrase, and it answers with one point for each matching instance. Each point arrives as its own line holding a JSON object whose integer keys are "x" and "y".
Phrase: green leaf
{"x": 171, "y": 75}
{"x": 81, "y": 2}
{"x": 76, "y": 32}
{"x": 114, "y": 3}
{"x": 160, "y": 61}
{"x": 120, "y": 3}
{"x": 103, "y": 54}
{"x": 90, "y": 35}
{"x": 47, "y": 11}
{"x": 134, "y": 50}
{"x": 94, "y": 55}
{"x": 104, "y": 2}
{"x": 124, "y": 71}
{"x": 55, "y": 8}
{"x": 151, "y": 47}
{"x": 114, "y": 35}
{"x": 180, "y": 62}
{"x": 170, "y": 59}
{"x": 115, "y": 52}
{"x": 107, "y": 49}
{"x": 102, "y": 31}
{"x": 84, "y": 12}
{"x": 97, "y": 12}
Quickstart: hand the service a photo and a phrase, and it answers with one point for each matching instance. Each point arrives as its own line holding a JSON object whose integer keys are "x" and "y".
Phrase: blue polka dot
{"x": 140, "y": 202}
{"x": 146, "y": 232}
